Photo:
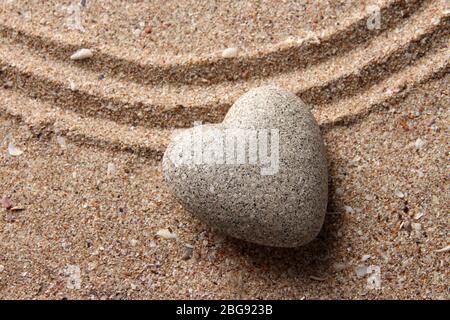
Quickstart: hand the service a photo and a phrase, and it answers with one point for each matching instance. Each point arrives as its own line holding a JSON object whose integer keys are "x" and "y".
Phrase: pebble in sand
{"x": 82, "y": 54}
{"x": 276, "y": 201}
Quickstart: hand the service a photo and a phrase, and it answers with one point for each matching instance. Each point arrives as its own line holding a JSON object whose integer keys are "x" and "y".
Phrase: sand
{"x": 172, "y": 27}
{"x": 87, "y": 192}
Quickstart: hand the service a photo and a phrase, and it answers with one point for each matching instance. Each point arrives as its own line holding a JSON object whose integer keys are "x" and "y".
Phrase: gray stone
{"x": 260, "y": 175}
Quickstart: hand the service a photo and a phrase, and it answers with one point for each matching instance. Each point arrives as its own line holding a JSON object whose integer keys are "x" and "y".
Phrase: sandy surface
{"x": 84, "y": 201}
{"x": 187, "y": 27}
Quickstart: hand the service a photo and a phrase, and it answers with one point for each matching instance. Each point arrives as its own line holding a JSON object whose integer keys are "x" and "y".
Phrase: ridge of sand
{"x": 152, "y": 142}
{"x": 265, "y": 62}
{"x": 168, "y": 105}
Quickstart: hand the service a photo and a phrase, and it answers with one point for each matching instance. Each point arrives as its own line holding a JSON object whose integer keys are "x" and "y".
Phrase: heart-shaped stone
{"x": 260, "y": 175}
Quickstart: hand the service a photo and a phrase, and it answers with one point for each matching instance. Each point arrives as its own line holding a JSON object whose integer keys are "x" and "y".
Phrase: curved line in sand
{"x": 152, "y": 143}
{"x": 209, "y": 70}
{"x": 374, "y": 68}
{"x": 382, "y": 98}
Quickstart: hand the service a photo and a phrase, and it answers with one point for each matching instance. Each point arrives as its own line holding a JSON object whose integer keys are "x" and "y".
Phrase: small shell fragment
{"x": 61, "y": 141}
{"x": 17, "y": 209}
{"x": 365, "y": 257}
{"x": 399, "y": 194}
{"x": 82, "y": 54}
{"x": 418, "y": 215}
{"x": 419, "y": 143}
{"x": 166, "y": 234}
{"x": 230, "y": 53}
{"x": 13, "y": 150}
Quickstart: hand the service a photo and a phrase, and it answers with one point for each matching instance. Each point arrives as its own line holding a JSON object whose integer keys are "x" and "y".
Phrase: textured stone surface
{"x": 257, "y": 201}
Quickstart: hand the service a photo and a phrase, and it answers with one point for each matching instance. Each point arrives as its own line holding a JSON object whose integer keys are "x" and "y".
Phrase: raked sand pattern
{"x": 96, "y": 202}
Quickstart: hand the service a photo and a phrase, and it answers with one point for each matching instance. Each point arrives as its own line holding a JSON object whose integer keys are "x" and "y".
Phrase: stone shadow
{"x": 313, "y": 259}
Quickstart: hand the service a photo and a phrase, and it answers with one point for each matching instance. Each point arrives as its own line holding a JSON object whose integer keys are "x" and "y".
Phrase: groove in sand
{"x": 152, "y": 142}
{"x": 207, "y": 70}
{"x": 357, "y": 81}
{"x": 180, "y": 106}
